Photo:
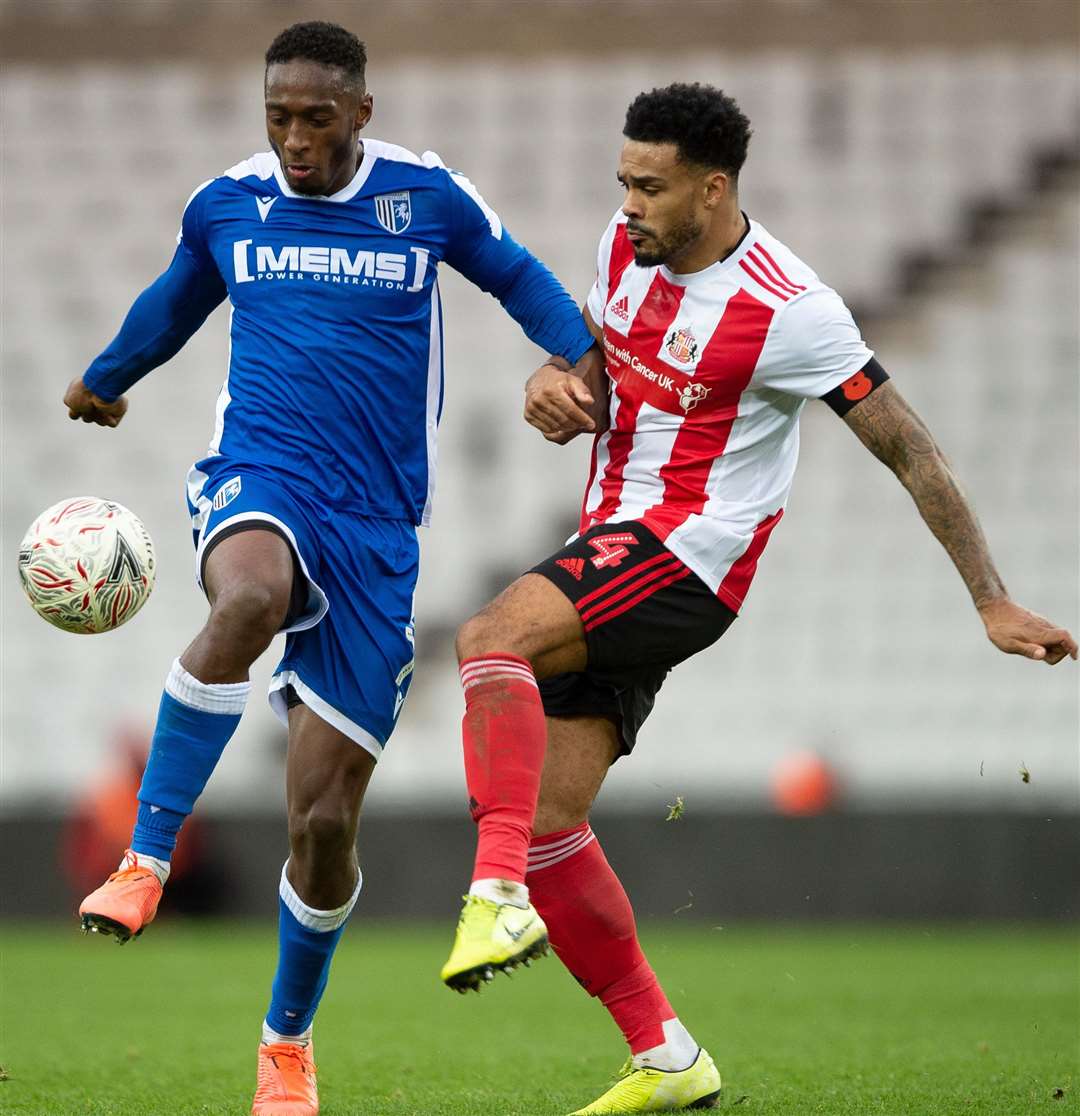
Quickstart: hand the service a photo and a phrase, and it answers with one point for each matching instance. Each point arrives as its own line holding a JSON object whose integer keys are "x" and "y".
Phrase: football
{"x": 87, "y": 565}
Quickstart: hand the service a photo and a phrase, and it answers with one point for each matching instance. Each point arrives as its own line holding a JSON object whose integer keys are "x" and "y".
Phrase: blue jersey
{"x": 335, "y": 371}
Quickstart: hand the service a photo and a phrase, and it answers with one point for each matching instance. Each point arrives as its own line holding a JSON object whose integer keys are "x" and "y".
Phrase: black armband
{"x": 844, "y": 396}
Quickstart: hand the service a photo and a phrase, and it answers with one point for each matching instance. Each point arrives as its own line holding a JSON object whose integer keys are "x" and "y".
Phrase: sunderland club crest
{"x": 683, "y": 346}
{"x": 394, "y": 211}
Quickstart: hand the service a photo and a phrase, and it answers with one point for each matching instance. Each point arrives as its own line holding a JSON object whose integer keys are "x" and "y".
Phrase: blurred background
{"x": 854, "y": 746}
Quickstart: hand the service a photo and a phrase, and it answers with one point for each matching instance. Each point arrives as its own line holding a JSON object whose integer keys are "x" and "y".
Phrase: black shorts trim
{"x": 298, "y": 592}
{"x": 643, "y": 610}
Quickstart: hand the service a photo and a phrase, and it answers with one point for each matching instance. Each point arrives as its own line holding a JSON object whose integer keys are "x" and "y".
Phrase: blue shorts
{"x": 349, "y": 646}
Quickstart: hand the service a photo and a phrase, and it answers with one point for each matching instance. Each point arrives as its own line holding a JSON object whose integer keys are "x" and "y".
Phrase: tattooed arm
{"x": 896, "y": 436}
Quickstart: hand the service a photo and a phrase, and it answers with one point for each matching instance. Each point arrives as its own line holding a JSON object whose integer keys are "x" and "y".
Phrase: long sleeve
{"x": 487, "y": 255}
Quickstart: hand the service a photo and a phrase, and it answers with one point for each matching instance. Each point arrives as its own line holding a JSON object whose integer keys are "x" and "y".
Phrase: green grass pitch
{"x": 927, "y": 1020}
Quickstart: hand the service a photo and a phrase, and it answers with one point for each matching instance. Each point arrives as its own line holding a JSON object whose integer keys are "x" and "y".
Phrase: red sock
{"x": 591, "y": 926}
{"x": 505, "y": 739}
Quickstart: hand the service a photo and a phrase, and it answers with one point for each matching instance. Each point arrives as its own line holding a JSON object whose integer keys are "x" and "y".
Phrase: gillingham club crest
{"x": 394, "y": 211}
{"x": 683, "y": 346}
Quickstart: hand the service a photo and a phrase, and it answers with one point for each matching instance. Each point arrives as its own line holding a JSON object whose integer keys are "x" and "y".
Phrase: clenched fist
{"x": 562, "y": 402}
{"x": 83, "y": 404}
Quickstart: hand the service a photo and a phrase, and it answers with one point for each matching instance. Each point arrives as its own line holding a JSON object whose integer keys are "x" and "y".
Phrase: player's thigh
{"x": 531, "y": 619}
{"x": 249, "y": 558}
{"x": 580, "y": 752}
{"x": 253, "y": 534}
{"x": 325, "y": 770}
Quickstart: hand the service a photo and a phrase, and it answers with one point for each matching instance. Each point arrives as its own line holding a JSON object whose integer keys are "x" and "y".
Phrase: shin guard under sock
{"x": 195, "y": 722}
{"x": 505, "y": 738}
{"x": 307, "y": 939}
{"x": 592, "y": 930}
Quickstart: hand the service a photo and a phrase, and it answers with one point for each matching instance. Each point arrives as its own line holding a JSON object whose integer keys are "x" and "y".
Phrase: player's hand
{"x": 563, "y": 403}
{"x": 83, "y": 404}
{"x": 1016, "y": 631}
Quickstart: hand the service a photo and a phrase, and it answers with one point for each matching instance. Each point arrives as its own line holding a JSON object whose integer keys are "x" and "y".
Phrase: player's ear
{"x": 363, "y": 112}
{"x": 717, "y": 186}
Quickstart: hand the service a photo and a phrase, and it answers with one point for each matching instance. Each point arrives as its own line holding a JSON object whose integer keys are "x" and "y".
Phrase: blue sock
{"x": 195, "y": 721}
{"x": 306, "y": 942}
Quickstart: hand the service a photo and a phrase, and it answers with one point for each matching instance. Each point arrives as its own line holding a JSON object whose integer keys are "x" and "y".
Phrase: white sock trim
{"x": 160, "y": 868}
{"x": 501, "y": 891}
{"x": 494, "y": 669}
{"x": 270, "y": 1036}
{"x": 544, "y": 856}
{"x": 678, "y": 1051}
{"x": 309, "y": 917}
{"x": 210, "y": 697}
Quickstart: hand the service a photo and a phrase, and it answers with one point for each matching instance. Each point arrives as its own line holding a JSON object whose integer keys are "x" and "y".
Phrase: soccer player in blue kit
{"x": 321, "y": 467}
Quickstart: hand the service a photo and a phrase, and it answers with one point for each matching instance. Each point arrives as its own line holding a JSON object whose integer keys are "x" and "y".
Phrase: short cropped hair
{"x": 706, "y": 125}
{"x": 326, "y": 43}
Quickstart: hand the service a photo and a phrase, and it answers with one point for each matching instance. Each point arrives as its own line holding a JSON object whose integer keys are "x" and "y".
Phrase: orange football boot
{"x": 286, "y": 1081}
{"x": 124, "y": 904}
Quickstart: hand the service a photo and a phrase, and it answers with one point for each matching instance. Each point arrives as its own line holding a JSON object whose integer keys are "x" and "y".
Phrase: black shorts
{"x": 644, "y": 612}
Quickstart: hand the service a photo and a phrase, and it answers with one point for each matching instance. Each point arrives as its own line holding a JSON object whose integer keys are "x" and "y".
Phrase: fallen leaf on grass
{"x": 3, "y": 1074}
{"x": 1058, "y": 1094}
{"x": 744, "y": 1097}
{"x": 676, "y": 809}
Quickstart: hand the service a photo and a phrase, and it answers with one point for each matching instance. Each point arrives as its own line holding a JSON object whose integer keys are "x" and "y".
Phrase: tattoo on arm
{"x": 892, "y": 431}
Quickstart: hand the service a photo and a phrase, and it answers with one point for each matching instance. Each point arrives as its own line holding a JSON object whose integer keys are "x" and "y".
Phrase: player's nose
{"x": 632, "y": 207}
{"x": 297, "y": 140}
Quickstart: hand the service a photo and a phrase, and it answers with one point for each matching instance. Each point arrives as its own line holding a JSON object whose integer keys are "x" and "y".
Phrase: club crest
{"x": 683, "y": 346}
{"x": 394, "y": 211}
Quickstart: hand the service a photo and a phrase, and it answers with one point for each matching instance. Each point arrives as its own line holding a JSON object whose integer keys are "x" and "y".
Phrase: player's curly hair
{"x": 318, "y": 41}
{"x": 706, "y": 125}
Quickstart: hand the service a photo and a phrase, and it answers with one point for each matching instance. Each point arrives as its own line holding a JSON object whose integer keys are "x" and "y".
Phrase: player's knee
{"x": 249, "y": 612}
{"x": 319, "y": 829}
{"x": 474, "y": 638}
{"x": 484, "y": 634}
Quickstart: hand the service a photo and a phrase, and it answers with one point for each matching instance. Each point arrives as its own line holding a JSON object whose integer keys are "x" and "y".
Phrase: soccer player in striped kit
{"x": 321, "y": 467}
{"x": 715, "y": 335}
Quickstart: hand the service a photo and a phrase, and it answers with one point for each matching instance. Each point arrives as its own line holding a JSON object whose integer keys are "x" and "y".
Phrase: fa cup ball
{"x": 87, "y": 565}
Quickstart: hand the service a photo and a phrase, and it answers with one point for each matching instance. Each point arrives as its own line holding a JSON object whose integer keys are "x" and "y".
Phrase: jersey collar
{"x": 346, "y": 193}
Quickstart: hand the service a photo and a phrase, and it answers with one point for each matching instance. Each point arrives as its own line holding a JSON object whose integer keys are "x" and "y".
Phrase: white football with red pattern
{"x": 87, "y": 565}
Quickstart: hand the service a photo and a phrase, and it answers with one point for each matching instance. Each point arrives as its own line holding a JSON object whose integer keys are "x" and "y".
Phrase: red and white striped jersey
{"x": 709, "y": 372}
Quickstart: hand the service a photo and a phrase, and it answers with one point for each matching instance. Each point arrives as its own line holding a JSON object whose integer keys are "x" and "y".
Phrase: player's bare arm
{"x": 891, "y": 430}
{"x": 563, "y": 401}
{"x": 83, "y": 404}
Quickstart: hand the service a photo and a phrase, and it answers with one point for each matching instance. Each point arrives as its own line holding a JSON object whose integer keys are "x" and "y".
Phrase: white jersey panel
{"x": 814, "y": 346}
{"x": 650, "y": 453}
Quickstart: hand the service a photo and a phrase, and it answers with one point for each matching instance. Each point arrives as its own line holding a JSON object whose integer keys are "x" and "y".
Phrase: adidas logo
{"x": 573, "y": 566}
{"x": 621, "y": 309}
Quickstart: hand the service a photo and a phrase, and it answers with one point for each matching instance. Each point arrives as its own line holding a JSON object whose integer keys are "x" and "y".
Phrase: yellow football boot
{"x": 653, "y": 1090}
{"x": 492, "y": 937}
